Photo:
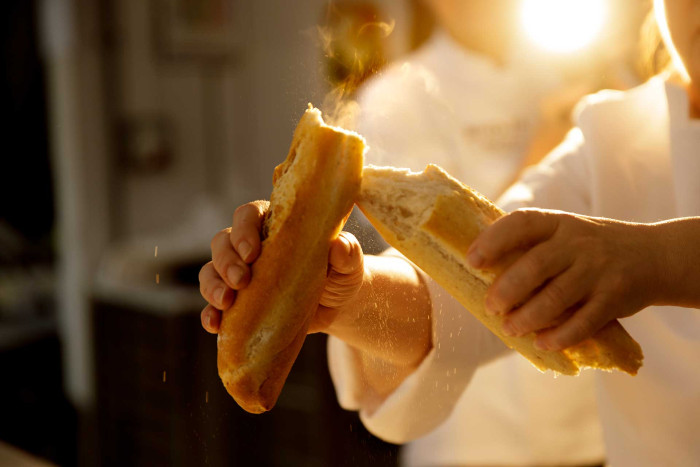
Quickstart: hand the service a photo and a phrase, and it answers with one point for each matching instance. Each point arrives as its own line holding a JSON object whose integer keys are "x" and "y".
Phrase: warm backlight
{"x": 563, "y": 25}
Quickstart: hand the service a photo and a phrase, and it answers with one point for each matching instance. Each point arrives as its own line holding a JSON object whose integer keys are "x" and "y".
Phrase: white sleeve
{"x": 560, "y": 181}
{"x": 426, "y": 398}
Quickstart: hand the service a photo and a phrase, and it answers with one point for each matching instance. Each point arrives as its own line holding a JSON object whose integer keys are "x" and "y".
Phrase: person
{"x": 470, "y": 100}
{"x": 632, "y": 157}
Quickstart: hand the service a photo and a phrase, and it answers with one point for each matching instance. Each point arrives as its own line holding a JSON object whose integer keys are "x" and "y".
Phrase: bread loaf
{"x": 313, "y": 192}
{"x": 432, "y": 219}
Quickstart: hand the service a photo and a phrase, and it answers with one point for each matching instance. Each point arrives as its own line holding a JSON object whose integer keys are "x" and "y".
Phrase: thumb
{"x": 346, "y": 271}
{"x": 345, "y": 255}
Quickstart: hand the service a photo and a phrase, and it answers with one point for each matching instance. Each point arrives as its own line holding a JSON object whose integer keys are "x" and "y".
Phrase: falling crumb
{"x": 157, "y": 278}
{"x": 156, "y": 254}
{"x": 164, "y": 376}
{"x": 206, "y": 397}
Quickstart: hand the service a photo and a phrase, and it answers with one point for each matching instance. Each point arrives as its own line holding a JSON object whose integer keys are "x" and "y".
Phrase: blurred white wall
{"x": 72, "y": 51}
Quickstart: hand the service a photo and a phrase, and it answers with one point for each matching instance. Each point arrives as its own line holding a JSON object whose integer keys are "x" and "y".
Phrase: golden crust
{"x": 314, "y": 190}
{"x": 438, "y": 245}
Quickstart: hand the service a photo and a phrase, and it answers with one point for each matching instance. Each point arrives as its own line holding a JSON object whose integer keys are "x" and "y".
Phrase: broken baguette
{"x": 314, "y": 190}
{"x": 432, "y": 219}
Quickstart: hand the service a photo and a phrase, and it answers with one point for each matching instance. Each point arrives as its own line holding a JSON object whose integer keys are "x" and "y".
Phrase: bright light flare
{"x": 563, "y": 26}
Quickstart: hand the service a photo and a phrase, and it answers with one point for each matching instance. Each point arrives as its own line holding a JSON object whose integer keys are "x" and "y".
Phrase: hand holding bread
{"x": 345, "y": 266}
{"x": 565, "y": 276}
{"x": 434, "y": 220}
{"x": 261, "y": 333}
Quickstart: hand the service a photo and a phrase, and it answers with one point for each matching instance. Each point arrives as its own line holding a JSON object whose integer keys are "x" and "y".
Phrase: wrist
{"x": 663, "y": 277}
{"x": 678, "y": 273}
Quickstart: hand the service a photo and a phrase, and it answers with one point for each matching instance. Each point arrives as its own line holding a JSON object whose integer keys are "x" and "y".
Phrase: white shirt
{"x": 459, "y": 110}
{"x": 634, "y": 156}
{"x": 450, "y": 107}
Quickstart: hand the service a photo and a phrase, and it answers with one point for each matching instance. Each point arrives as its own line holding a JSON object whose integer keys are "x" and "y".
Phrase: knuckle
{"x": 204, "y": 271}
{"x": 520, "y": 277}
{"x": 238, "y": 234}
{"x": 221, "y": 265}
{"x": 204, "y": 291}
{"x": 249, "y": 210}
{"x": 555, "y": 297}
{"x": 244, "y": 209}
{"x": 502, "y": 289}
{"x": 510, "y": 280}
{"x": 216, "y": 239}
{"x": 530, "y": 217}
{"x": 235, "y": 236}
{"x": 520, "y": 218}
{"x": 522, "y": 323}
{"x": 244, "y": 230}
{"x": 509, "y": 288}
{"x": 584, "y": 326}
{"x": 534, "y": 264}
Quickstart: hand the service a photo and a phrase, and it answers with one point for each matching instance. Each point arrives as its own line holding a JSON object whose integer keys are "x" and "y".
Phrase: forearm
{"x": 389, "y": 319}
{"x": 679, "y": 262}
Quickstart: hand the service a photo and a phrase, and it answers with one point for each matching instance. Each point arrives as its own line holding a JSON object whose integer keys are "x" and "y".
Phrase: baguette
{"x": 432, "y": 219}
{"x": 313, "y": 193}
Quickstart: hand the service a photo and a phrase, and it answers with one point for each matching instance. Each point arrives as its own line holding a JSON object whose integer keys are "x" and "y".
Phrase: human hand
{"x": 236, "y": 248}
{"x": 565, "y": 276}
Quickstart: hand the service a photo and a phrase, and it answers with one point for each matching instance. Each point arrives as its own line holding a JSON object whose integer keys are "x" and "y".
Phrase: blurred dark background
{"x": 133, "y": 128}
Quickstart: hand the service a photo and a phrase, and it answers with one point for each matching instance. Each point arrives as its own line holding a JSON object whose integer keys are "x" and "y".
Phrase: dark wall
{"x": 26, "y": 201}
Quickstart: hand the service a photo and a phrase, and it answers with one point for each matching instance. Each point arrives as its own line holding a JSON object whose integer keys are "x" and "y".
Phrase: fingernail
{"x": 474, "y": 257}
{"x": 508, "y": 329}
{"x": 540, "y": 344}
{"x": 234, "y": 274}
{"x": 219, "y": 294}
{"x": 346, "y": 244}
{"x": 244, "y": 249}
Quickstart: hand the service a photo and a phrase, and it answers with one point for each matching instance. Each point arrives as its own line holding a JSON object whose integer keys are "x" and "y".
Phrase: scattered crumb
{"x": 164, "y": 376}
{"x": 157, "y": 278}
{"x": 206, "y": 397}
{"x": 156, "y": 254}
